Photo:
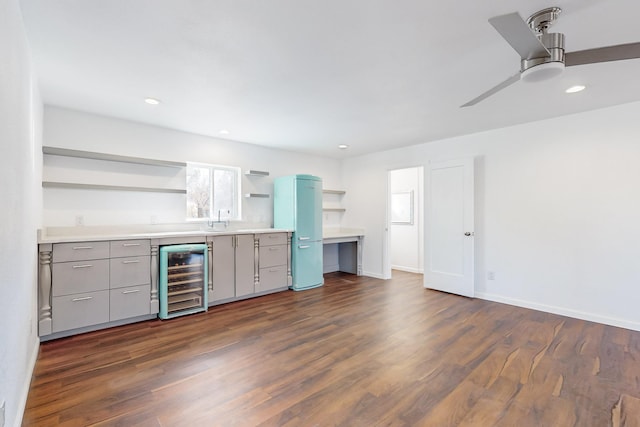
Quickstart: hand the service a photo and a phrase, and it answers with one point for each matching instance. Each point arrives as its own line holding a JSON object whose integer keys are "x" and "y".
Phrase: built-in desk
{"x": 342, "y": 250}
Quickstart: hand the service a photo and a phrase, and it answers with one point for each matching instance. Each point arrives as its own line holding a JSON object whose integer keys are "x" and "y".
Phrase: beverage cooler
{"x": 183, "y": 280}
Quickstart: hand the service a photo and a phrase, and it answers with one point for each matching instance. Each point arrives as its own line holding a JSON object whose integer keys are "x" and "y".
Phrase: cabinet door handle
{"x": 82, "y": 266}
{"x": 273, "y": 236}
{"x": 75, "y": 248}
{"x": 304, "y": 246}
{"x": 304, "y": 238}
{"x": 126, "y": 245}
{"x": 81, "y": 299}
{"x": 274, "y": 248}
{"x": 131, "y": 291}
{"x": 273, "y": 270}
{"x": 131, "y": 261}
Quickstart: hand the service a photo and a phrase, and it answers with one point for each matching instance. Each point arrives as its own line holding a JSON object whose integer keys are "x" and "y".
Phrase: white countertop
{"x": 75, "y": 234}
{"x": 95, "y": 233}
{"x": 337, "y": 233}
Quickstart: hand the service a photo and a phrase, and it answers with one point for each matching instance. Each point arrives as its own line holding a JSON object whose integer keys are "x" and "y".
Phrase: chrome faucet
{"x": 219, "y": 221}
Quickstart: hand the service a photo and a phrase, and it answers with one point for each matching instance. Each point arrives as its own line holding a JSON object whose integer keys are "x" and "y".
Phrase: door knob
{"x": 468, "y": 233}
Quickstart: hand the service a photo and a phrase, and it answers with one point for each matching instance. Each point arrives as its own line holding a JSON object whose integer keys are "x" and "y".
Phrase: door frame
{"x": 386, "y": 244}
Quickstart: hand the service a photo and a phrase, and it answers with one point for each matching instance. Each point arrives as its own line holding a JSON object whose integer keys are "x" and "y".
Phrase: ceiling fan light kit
{"x": 541, "y": 72}
{"x": 542, "y": 54}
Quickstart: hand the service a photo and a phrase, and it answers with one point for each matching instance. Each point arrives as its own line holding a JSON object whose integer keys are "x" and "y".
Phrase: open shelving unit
{"x": 252, "y": 172}
{"x": 91, "y": 155}
{"x": 66, "y": 152}
{"x": 334, "y": 197}
{"x": 79, "y": 186}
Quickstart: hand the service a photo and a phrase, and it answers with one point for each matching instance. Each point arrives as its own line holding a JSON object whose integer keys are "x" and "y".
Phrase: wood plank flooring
{"x": 355, "y": 352}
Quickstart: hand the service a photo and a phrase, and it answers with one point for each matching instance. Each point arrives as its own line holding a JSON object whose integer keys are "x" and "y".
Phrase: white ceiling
{"x": 307, "y": 75}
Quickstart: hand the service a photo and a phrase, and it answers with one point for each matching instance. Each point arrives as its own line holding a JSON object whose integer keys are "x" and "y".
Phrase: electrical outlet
{"x": 2, "y": 414}
{"x": 79, "y": 220}
{"x": 491, "y": 275}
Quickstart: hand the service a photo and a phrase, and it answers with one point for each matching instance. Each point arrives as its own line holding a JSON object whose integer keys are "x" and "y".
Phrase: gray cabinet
{"x": 129, "y": 302}
{"x": 78, "y": 310}
{"x": 80, "y": 276}
{"x": 79, "y": 285}
{"x": 221, "y": 268}
{"x": 82, "y": 284}
{"x": 129, "y": 279}
{"x": 273, "y": 262}
{"x": 245, "y": 265}
{"x": 231, "y": 266}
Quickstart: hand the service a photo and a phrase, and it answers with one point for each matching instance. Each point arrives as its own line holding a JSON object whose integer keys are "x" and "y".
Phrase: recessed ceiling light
{"x": 152, "y": 101}
{"x": 224, "y": 132}
{"x": 343, "y": 146}
{"x": 576, "y": 88}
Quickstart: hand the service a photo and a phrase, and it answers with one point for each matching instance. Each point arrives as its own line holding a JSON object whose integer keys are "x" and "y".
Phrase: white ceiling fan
{"x": 542, "y": 53}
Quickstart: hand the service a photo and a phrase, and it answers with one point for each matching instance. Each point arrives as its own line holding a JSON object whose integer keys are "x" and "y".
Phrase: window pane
{"x": 198, "y": 192}
{"x": 224, "y": 193}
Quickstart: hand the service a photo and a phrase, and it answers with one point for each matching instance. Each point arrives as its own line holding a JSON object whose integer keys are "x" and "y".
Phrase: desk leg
{"x": 359, "y": 256}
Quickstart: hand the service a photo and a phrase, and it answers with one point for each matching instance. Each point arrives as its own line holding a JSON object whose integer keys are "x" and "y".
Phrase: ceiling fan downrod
{"x": 553, "y": 64}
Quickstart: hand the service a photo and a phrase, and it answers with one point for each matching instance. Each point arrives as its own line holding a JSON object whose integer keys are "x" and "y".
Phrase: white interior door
{"x": 449, "y": 227}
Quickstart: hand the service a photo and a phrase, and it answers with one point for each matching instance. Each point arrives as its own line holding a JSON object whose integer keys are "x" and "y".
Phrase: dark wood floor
{"x": 356, "y": 352}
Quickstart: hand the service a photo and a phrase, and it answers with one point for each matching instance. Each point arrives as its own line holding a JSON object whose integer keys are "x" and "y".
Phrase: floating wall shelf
{"x": 55, "y": 151}
{"x": 252, "y": 172}
{"x": 78, "y": 186}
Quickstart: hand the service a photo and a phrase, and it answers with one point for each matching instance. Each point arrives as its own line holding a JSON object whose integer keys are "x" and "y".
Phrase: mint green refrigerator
{"x": 297, "y": 205}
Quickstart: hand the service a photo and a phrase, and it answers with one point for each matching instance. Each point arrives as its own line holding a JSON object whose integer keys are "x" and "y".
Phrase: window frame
{"x": 236, "y": 211}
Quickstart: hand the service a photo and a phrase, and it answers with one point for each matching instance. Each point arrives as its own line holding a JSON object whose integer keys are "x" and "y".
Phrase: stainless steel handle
{"x": 273, "y": 270}
{"x": 81, "y": 299}
{"x": 132, "y": 261}
{"x": 273, "y": 236}
{"x": 75, "y": 248}
{"x": 82, "y": 266}
{"x": 274, "y": 248}
{"x": 304, "y": 246}
{"x": 126, "y": 245}
{"x": 131, "y": 292}
{"x": 304, "y": 238}
{"x": 468, "y": 233}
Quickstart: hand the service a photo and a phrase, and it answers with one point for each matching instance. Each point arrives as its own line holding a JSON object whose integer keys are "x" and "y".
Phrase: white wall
{"x": 406, "y": 239}
{"x": 20, "y": 165}
{"x": 83, "y": 131}
{"x": 557, "y": 211}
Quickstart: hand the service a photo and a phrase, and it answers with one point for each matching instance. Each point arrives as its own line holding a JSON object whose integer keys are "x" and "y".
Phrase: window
{"x": 213, "y": 192}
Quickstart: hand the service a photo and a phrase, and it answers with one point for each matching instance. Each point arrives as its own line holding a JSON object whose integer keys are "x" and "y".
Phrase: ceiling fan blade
{"x": 603, "y": 54}
{"x": 518, "y": 34}
{"x": 511, "y": 80}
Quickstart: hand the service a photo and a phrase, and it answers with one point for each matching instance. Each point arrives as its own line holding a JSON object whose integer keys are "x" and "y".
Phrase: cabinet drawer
{"x": 129, "y": 302}
{"x": 272, "y": 278}
{"x": 130, "y": 271}
{"x": 268, "y": 239}
{"x": 273, "y": 255}
{"x": 127, "y": 248}
{"x": 76, "y": 311}
{"x": 80, "y": 276}
{"x": 80, "y": 251}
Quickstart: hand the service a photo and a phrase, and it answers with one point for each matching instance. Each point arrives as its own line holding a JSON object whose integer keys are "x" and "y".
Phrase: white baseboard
{"x": 374, "y": 275}
{"x": 22, "y": 401}
{"x": 621, "y": 323}
{"x": 407, "y": 269}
